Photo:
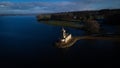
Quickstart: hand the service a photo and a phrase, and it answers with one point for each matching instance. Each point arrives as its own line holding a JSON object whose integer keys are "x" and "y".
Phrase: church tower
{"x": 65, "y": 36}
{"x": 63, "y": 33}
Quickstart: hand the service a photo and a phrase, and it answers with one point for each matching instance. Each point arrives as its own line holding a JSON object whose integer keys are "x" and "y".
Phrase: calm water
{"x": 24, "y": 40}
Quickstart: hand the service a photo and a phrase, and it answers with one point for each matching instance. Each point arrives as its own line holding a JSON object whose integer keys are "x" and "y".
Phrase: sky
{"x": 51, "y": 6}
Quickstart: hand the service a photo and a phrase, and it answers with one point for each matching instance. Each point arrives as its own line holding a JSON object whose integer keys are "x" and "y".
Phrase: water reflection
{"x": 26, "y": 40}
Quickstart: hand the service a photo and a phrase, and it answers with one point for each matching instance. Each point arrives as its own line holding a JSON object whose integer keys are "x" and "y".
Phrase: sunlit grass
{"x": 63, "y": 23}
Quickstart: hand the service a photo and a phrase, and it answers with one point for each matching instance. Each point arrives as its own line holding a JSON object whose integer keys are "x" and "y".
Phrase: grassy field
{"x": 64, "y": 24}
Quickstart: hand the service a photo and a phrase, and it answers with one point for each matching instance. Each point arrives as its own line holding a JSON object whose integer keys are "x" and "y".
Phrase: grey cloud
{"x": 43, "y": 7}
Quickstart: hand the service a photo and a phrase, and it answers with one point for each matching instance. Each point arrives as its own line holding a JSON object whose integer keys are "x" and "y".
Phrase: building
{"x": 66, "y": 37}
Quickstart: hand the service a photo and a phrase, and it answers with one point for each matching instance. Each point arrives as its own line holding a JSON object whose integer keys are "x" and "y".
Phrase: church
{"x": 66, "y": 37}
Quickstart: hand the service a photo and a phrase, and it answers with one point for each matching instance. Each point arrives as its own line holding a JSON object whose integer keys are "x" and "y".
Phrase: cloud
{"x": 61, "y": 6}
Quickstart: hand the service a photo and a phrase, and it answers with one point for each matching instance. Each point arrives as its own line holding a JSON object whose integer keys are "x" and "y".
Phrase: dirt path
{"x": 97, "y": 38}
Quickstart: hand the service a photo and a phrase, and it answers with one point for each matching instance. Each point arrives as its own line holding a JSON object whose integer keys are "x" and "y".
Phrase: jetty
{"x": 67, "y": 40}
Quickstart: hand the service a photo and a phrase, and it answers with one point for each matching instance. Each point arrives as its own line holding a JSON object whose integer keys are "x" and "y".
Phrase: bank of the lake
{"x": 24, "y": 40}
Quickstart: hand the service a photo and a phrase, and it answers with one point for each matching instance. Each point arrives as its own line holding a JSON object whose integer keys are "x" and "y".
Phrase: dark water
{"x": 25, "y": 41}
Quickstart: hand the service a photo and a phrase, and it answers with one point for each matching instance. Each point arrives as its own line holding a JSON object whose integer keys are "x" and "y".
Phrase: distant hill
{"x": 16, "y": 14}
{"x": 111, "y": 16}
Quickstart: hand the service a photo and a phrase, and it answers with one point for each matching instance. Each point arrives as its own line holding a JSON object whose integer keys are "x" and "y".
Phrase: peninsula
{"x": 110, "y": 16}
{"x": 67, "y": 40}
{"x": 89, "y": 21}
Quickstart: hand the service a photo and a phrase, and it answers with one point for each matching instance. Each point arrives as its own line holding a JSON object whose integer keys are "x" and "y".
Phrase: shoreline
{"x": 78, "y": 38}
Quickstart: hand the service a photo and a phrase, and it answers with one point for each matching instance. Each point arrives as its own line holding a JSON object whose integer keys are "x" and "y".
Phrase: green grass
{"x": 63, "y": 23}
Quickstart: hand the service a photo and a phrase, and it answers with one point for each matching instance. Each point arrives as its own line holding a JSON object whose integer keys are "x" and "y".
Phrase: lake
{"x": 25, "y": 41}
